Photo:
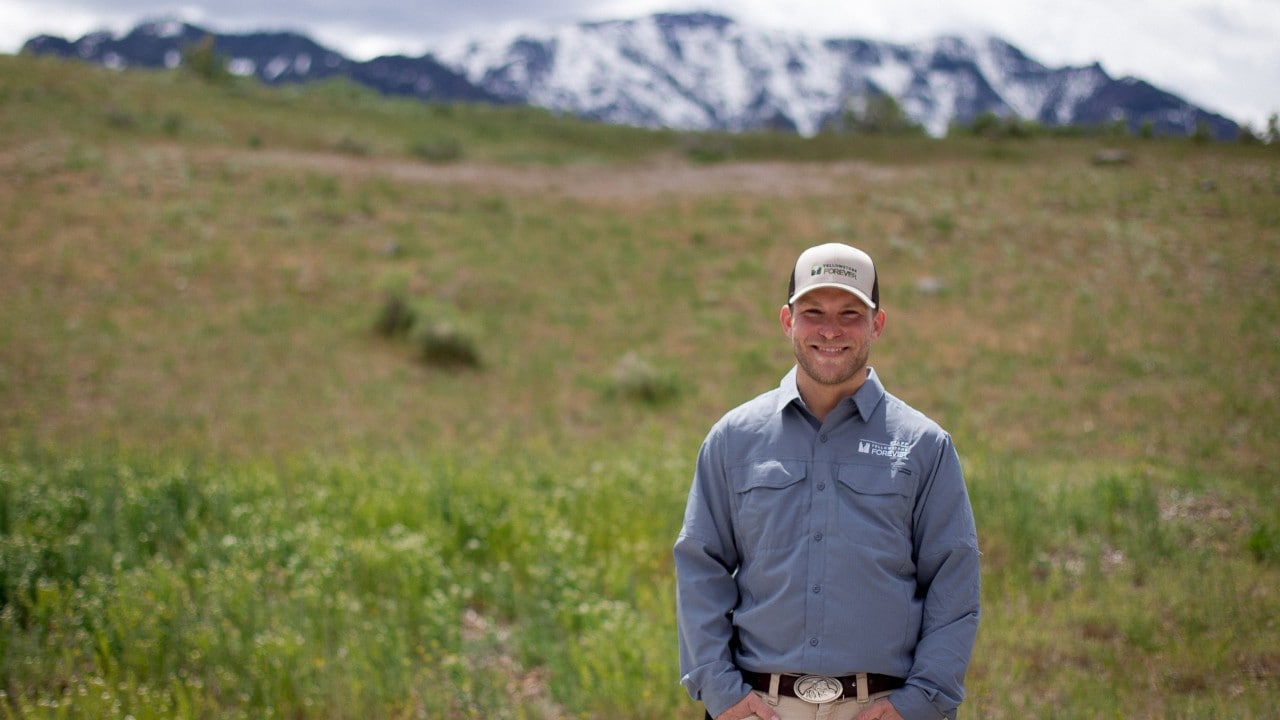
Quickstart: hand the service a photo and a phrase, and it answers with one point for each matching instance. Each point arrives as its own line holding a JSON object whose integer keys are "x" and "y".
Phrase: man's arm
{"x": 706, "y": 592}
{"x": 948, "y": 580}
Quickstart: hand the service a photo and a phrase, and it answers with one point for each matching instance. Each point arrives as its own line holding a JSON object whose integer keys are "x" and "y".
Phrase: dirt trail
{"x": 659, "y": 177}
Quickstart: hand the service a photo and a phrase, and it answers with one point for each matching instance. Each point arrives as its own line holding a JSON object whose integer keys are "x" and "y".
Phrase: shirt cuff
{"x": 912, "y": 704}
{"x": 718, "y": 701}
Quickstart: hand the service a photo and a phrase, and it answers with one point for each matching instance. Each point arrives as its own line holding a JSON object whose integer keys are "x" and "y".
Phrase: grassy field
{"x": 224, "y": 493}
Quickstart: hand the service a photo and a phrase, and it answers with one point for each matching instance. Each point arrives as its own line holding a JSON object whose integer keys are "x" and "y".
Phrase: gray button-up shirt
{"x": 828, "y": 548}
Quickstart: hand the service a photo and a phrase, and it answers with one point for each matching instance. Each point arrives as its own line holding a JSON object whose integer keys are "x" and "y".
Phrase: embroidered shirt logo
{"x": 894, "y": 450}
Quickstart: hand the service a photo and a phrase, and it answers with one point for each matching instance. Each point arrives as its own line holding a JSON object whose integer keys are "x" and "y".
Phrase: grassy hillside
{"x": 223, "y": 492}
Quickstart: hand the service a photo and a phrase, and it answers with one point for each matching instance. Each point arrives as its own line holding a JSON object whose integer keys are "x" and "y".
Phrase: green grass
{"x": 174, "y": 589}
{"x": 223, "y": 493}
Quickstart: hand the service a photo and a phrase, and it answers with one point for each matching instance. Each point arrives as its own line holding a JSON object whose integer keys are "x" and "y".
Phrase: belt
{"x": 813, "y": 687}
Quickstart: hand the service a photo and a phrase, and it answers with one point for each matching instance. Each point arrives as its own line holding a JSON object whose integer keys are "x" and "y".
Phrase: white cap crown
{"x": 839, "y": 266}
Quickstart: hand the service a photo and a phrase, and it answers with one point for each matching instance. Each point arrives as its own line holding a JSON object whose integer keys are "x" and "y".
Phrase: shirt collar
{"x": 869, "y": 395}
{"x": 865, "y": 399}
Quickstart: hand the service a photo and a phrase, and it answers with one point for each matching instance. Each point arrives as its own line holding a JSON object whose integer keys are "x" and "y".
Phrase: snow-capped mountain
{"x": 697, "y": 71}
{"x": 704, "y": 71}
{"x": 273, "y": 58}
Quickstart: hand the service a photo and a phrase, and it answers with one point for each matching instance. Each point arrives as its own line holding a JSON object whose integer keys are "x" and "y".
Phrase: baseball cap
{"x": 839, "y": 266}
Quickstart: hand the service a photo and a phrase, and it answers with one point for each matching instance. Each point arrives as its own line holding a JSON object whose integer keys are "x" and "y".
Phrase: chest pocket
{"x": 772, "y": 503}
{"x": 876, "y": 502}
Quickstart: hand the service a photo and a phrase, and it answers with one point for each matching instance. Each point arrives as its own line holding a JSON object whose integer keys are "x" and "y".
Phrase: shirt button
{"x": 822, "y": 437}
{"x": 817, "y": 537}
{"x": 817, "y": 589}
{"x": 813, "y": 642}
{"x": 822, "y": 486}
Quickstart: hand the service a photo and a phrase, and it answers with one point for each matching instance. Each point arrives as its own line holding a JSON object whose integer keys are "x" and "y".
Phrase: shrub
{"x": 441, "y": 337}
{"x": 446, "y": 343}
{"x": 1203, "y": 133}
{"x": 348, "y": 145}
{"x": 119, "y": 118}
{"x": 877, "y": 113}
{"x": 1264, "y": 543}
{"x": 437, "y": 151}
{"x": 396, "y": 317}
{"x": 707, "y": 148}
{"x": 1246, "y": 135}
{"x": 635, "y": 378}
{"x": 173, "y": 124}
{"x": 202, "y": 60}
{"x": 991, "y": 125}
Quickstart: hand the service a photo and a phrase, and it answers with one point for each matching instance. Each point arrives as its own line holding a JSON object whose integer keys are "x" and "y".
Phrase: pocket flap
{"x": 875, "y": 480}
{"x": 772, "y": 474}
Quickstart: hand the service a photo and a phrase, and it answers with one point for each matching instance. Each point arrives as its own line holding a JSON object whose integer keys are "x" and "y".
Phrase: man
{"x": 828, "y": 562}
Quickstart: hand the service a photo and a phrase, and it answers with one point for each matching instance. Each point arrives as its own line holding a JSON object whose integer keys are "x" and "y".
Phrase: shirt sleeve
{"x": 948, "y": 582}
{"x": 706, "y": 557}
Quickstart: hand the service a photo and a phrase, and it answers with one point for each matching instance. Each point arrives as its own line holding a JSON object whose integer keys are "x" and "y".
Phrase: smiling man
{"x": 828, "y": 562}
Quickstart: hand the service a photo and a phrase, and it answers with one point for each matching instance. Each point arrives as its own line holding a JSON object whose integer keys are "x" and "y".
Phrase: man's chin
{"x": 826, "y": 375}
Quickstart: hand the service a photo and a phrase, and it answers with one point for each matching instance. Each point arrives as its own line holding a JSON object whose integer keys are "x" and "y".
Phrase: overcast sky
{"x": 1221, "y": 54}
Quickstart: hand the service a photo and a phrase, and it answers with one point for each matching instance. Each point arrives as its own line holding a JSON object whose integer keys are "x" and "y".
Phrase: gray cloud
{"x": 387, "y": 18}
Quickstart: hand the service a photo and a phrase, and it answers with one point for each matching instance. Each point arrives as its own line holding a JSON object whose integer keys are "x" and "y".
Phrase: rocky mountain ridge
{"x": 694, "y": 71}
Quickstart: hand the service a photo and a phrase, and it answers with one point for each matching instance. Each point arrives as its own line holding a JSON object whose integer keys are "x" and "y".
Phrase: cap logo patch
{"x": 832, "y": 269}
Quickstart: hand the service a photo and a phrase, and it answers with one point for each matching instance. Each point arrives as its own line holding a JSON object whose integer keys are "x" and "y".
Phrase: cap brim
{"x": 839, "y": 286}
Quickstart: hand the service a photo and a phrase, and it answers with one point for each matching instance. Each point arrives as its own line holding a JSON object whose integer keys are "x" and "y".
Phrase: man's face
{"x": 831, "y": 333}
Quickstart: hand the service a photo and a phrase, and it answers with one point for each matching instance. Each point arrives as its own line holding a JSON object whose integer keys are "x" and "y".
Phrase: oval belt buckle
{"x": 818, "y": 689}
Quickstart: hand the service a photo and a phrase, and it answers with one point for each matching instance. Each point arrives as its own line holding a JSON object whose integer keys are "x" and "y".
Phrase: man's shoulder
{"x": 758, "y": 411}
{"x": 759, "y": 427}
{"x": 752, "y": 417}
{"x": 898, "y": 412}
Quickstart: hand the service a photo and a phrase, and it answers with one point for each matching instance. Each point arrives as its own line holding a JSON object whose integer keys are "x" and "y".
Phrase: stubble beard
{"x": 829, "y": 375}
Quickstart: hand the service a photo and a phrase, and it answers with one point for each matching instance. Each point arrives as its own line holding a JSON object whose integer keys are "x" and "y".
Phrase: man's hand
{"x": 879, "y": 710}
{"x": 748, "y": 707}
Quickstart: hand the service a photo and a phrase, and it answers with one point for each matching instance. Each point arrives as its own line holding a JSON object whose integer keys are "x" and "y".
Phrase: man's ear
{"x": 785, "y": 318}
